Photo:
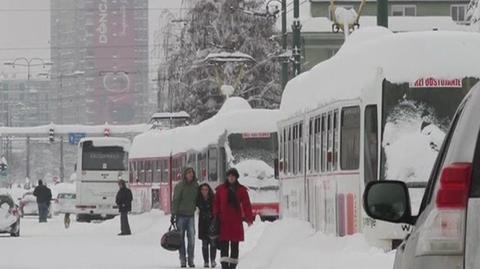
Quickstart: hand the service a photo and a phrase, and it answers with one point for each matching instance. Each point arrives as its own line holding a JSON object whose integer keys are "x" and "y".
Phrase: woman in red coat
{"x": 232, "y": 206}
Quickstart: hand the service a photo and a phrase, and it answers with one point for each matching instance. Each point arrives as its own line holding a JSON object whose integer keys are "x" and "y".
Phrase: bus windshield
{"x": 112, "y": 158}
{"x": 255, "y": 147}
{"x": 415, "y": 118}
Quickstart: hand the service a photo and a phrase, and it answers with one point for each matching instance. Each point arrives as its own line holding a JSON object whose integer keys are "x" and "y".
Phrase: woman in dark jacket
{"x": 205, "y": 206}
{"x": 232, "y": 206}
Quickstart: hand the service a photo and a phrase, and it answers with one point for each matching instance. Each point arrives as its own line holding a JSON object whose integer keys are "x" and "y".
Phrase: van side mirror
{"x": 388, "y": 200}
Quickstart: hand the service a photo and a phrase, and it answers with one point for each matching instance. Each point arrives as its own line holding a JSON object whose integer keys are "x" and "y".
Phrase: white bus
{"x": 377, "y": 110}
{"x": 101, "y": 163}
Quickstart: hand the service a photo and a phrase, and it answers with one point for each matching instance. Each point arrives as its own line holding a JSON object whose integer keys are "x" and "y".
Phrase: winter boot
{"x": 213, "y": 264}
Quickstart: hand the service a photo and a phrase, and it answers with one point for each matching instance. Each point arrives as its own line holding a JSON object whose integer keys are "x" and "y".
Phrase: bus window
{"x": 371, "y": 144}
{"x": 323, "y": 143}
{"x": 212, "y": 164}
{"x": 103, "y": 158}
{"x": 350, "y": 138}
{"x": 295, "y": 149}
{"x": 335, "y": 143}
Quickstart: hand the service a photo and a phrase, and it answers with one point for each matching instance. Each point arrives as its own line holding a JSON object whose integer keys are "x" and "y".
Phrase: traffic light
{"x": 51, "y": 135}
{"x": 106, "y": 132}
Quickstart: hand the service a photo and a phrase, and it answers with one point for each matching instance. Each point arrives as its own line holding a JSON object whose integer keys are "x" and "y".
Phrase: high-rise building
{"x": 24, "y": 102}
{"x": 99, "y": 50}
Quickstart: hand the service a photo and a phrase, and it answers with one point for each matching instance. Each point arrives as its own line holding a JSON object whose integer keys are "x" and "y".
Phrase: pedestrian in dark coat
{"x": 44, "y": 197}
{"x": 205, "y": 217}
{"x": 232, "y": 206}
{"x": 124, "y": 202}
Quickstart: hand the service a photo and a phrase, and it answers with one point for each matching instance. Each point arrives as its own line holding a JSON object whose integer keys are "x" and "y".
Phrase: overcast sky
{"x": 25, "y": 24}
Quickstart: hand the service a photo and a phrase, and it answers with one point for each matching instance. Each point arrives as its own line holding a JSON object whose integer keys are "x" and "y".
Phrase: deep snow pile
{"x": 363, "y": 63}
{"x": 292, "y": 243}
{"x": 235, "y": 116}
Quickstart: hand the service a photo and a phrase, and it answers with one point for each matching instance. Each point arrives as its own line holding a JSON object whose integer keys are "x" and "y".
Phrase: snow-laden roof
{"x": 76, "y": 128}
{"x": 108, "y": 142}
{"x": 170, "y": 115}
{"x": 235, "y": 116}
{"x": 229, "y": 57}
{"x": 373, "y": 53}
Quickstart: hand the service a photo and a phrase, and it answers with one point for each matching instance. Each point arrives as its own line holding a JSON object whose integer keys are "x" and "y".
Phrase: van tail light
{"x": 443, "y": 232}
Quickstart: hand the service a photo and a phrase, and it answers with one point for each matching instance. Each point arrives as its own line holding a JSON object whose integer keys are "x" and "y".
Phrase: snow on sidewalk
{"x": 292, "y": 243}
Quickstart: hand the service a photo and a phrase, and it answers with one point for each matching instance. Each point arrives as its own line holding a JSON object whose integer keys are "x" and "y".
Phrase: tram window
{"x": 294, "y": 150}
{"x": 323, "y": 143}
{"x": 289, "y": 150}
{"x": 350, "y": 138}
{"x": 310, "y": 143}
{"x": 317, "y": 144}
{"x": 165, "y": 171}
{"x": 335, "y": 140}
{"x": 371, "y": 144}
{"x": 301, "y": 156}
{"x": 329, "y": 142}
{"x": 212, "y": 164}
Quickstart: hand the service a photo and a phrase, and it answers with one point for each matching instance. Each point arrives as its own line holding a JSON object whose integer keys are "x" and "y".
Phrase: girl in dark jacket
{"x": 205, "y": 206}
{"x": 232, "y": 206}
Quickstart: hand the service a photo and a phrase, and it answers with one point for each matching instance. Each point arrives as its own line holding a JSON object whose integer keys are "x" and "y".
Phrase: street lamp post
{"x": 28, "y": 63}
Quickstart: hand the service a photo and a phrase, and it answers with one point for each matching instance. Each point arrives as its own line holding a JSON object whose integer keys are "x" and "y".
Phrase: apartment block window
{"x": 404, "y": 10}
{"x": 459, "y": 13}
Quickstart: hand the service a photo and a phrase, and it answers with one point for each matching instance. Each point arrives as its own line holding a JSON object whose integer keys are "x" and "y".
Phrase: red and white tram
{"x": 237, "y": 136}
{"x": 377, "y": 110}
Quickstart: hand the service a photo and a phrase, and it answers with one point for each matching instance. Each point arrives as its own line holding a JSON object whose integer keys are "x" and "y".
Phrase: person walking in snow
{"x": 232, "y": 206}
{"x": 44, "y": 197}
{"x": 205, "y": 217}
{"x": 183, "y": 214}
{"x": 124, "y": 202}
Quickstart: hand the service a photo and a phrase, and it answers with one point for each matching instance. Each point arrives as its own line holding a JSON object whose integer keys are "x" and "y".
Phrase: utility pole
{"x": 284, "y": 44}
{"x": 382, "y": 13}
{"x": 296, "y": 27}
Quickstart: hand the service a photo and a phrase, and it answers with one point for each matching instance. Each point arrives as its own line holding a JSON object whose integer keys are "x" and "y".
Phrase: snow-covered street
{"x": 285, "y": 244}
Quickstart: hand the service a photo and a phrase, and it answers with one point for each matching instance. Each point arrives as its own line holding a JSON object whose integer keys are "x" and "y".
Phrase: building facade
{"x": 99, "y": 50}
{"x": 25, "y": 102}
{"x": 320, "y": 42}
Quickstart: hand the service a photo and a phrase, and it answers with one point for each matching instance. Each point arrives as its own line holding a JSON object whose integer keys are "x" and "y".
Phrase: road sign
{"x": 74, "y": 138}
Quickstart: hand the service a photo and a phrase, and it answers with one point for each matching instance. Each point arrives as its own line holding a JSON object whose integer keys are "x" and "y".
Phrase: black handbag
{"x": 172, "y": 239}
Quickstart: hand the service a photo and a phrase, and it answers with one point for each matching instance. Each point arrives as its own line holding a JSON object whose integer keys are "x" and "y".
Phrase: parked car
{"x": 65, "y": 203}
{"x": 446, "y": 231}
{"x": 9, "y": 216}
{"x": 29, "y": 207}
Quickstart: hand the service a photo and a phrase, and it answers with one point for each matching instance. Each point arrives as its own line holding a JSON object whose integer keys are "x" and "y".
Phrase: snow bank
{"x": 362, "y": 62}
{"x": 292, "y": 243}
{"x": 235, "y": 116}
